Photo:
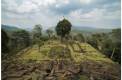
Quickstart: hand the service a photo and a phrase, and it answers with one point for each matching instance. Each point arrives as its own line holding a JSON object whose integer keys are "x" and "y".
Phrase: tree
{"x": 49, "y": 32}
{"x": 37, "y": 33}
{"x": 21, "y": 39}
{"x": 63, "y": 28}
{"x": 98, "y": 38}
{"x": 110, "y": 43}
{"x": 5, "y": 40}
{"x": 80, "y": 37}
{"x": 116, "y": 43}
{"x": 107, "y": 46}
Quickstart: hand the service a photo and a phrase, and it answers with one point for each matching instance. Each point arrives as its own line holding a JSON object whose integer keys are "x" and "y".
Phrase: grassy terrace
{"x": 89, "y": 53}
{"x": 90, "y": 59}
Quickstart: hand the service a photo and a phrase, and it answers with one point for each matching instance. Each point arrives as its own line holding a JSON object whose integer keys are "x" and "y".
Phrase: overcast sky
{"x": 93, "y": 13}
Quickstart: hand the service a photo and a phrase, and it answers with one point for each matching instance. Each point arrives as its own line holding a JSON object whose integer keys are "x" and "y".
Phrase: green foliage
{"x": 116, "y": 40}
{"x": 5, "y": 40}
{"x": 19, "y": 40}
{"x": 37, "y": 32}
{"x": 108, "y": 42}
{"x": 79, "y": 37}
{"x": 22, "y": 36}
{"x": 63, "y": 28}
{"x": 97, "y": 40}
{"x": 92, "y": 41}
{"x": 83, "y": 77}
{"x": 9, "y": 29}
{"x": 44, "y": 38}
{"x": 116, "y": 34}
{"x": 113, "y": 41}
{"x": 49, "y": 32}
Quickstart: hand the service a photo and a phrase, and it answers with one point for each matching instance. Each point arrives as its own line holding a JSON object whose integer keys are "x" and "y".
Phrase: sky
{"x": 91, "y": 13}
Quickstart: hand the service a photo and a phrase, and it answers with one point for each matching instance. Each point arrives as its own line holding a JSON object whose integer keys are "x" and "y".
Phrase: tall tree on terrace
{"x": 63, "y": 28}
{"x": 37, "y": 33}
{"x": 49, "y": 32}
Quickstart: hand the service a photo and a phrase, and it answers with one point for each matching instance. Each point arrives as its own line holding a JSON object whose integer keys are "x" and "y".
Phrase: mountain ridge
{"x": 76, "y": 29}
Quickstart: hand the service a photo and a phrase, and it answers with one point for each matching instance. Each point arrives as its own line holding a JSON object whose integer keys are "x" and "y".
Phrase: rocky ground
{"x": 59, "y": 70}
{"x": 78, "y": 62}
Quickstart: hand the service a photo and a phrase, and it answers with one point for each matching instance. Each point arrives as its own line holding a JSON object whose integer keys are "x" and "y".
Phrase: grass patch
{"x": 59, "y": 52}
{"x": 83, "y": 77}
{"x": 50, "y": 50}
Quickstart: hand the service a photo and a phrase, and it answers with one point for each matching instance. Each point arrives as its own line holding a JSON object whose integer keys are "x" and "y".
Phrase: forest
{"x": 60, "y": 54}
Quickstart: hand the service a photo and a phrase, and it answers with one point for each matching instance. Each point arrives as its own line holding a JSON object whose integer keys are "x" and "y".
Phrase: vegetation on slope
{"x": 64, "y": 56}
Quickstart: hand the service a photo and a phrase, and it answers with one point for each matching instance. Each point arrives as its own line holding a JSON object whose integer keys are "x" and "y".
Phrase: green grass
{"x": 83, "y": 77}
{"x": 90, "y": 52}
{"x": 76, "y": 47}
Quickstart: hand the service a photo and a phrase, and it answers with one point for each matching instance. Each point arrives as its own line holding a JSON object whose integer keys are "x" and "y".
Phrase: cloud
{"x": 98, "y": 18}
{"x": 86, "y": 1}
{"x": 44, "y": 3}
{"x": 27, "y": 7}
{"x": 94, "y": 14}
{"x": 98, "y": 13}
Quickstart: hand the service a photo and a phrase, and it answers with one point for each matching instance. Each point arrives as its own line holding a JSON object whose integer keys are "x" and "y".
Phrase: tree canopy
{"x": 37, "y": 31}
{"x": 49, "y": 32}
{"x": 63, "y": 28}
{"x": 5, "y": 40}
{"x": 22, "y": 38}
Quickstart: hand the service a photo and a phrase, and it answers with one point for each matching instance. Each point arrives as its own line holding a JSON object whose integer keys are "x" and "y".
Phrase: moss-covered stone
{"x": 59, "y": 52}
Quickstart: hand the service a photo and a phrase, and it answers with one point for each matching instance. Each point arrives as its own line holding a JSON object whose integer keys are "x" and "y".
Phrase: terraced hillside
{"x": 79, "y": 52}
{"x": 56, "y": 61}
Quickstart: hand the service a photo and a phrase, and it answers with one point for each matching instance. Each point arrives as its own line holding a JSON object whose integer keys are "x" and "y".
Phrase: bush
{"x": 44, "y": 38}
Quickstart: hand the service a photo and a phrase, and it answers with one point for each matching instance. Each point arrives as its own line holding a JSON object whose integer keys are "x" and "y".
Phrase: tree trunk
{"x": 61, "y": 39}
{"x": 49, "y": 35}
{"x": 39, "y": 47}
{"x": 99, "y": 47}
{"x": 112, "y": 53}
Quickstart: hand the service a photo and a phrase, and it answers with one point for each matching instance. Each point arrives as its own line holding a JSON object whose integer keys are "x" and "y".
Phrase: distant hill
{"x": 10, "y": 28}
{"x": 86, "y": 29}
{"x": 75, "y": 29}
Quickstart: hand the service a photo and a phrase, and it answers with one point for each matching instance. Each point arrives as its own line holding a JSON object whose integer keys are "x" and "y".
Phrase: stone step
{"x": 16, "y": 74}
